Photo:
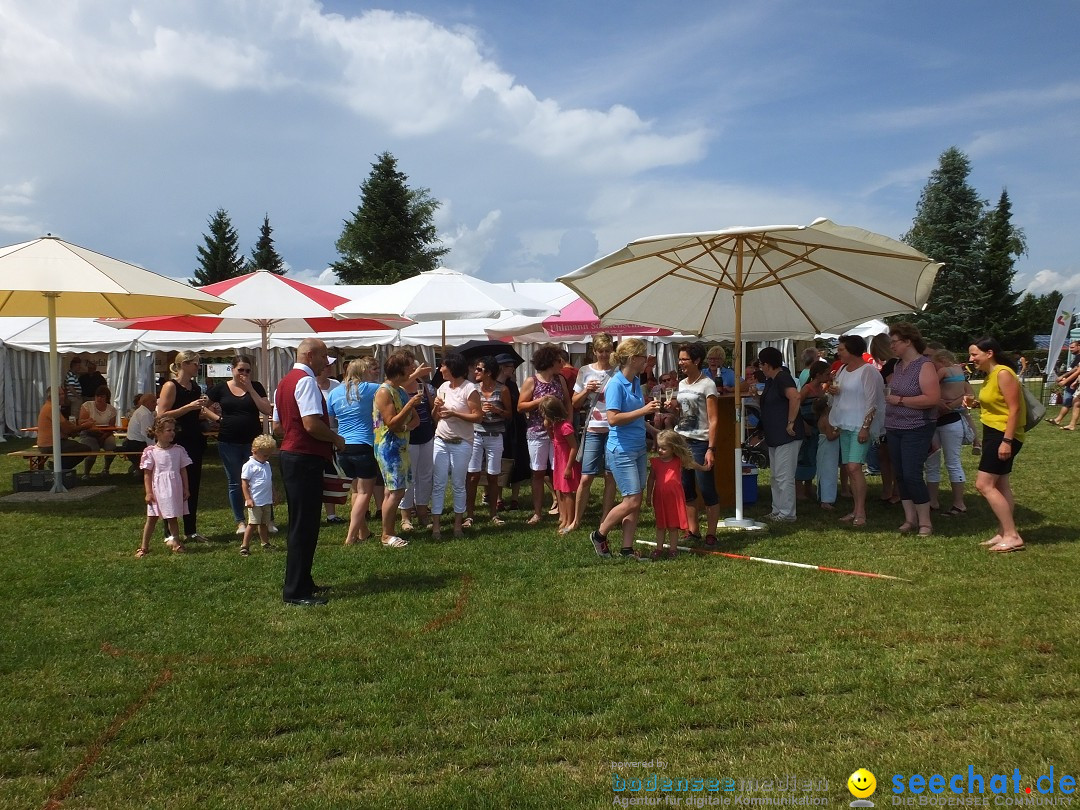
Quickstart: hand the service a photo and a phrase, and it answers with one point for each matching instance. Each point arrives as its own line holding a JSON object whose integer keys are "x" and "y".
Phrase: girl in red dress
{"x": 665, "y": 490}
{"x": 566, "y": 472}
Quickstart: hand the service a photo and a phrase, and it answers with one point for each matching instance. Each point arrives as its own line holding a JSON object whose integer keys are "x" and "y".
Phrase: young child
{"x": 566, "y": 474}
{"x": 664, "y": 489}
{"x": 257, "y": 483}
{"x": 166, "y": 482}
{"x": 828, "y": 454}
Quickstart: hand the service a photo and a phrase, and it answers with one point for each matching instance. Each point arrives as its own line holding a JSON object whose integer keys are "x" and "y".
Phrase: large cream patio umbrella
{"x": 758, "y": 283}
{"x": 54, "y": 278}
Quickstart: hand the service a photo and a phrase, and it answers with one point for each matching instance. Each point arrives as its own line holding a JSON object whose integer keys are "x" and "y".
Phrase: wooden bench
{"x": 37, "y": 457}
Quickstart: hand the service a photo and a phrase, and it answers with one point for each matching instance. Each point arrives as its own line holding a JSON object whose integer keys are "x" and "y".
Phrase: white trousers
{"x": 419, "y": 491}
{"x": 451, "y": 461}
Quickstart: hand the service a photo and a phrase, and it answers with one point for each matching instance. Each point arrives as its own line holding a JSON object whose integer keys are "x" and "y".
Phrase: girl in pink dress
{"x": 665, "y": 490}
{"x": 166, "y": 484}
{"x": 566, "y": 472}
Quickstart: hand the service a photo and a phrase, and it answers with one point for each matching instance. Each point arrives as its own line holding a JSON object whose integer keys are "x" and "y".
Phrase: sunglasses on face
{"x": 243, "y": 370}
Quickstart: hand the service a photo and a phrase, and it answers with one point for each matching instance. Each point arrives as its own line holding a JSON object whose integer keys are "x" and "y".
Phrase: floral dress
{"x": 392, "y": 449}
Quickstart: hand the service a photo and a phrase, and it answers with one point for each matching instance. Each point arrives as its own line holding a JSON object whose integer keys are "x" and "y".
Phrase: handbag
{"x": 1035, "y": 409}
{"x": 335, "y": 484}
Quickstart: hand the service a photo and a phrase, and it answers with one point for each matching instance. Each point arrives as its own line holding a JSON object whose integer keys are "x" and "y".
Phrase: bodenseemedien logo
{"x": 861, "y": 785}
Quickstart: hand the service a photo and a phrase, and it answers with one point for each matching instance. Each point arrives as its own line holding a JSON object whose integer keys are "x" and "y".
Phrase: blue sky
{"x": 552, "y": 133}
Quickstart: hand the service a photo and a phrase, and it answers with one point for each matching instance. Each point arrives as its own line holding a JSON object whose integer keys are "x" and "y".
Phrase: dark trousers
{"x": 196, "y": 448}
{"x": 908, "y": 450}
{"x": 302, "y": 475}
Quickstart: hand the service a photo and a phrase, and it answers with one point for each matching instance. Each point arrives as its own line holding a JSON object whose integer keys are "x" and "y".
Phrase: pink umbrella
{"x": 579, "y": 318}
{"x": 269, "y": 303}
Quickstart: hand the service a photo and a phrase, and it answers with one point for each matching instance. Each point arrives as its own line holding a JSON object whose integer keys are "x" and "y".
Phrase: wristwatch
{"x": 1008, "y": 441}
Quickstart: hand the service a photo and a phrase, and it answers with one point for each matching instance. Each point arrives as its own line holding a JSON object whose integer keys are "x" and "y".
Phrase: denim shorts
{"x": 358, "y": 461}
{"x": 594, "y": 457}
{"x": 628, "y": 470}
{"x": 699, "y": 481}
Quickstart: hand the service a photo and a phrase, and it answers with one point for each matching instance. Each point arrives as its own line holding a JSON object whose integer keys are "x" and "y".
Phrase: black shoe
{"x": 335, "y": 519}
{"x": 317, "y": 589}
{"x": 310, "y": 601}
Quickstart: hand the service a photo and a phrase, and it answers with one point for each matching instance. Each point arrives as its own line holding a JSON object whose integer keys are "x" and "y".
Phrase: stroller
{"x": 754, "y": 450}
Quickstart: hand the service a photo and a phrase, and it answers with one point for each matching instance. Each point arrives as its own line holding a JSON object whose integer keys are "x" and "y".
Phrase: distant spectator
{"x": 91, "y": 381}
{"x": 101, "y": 414}
{"x": 67, "y": 430}
{"x": 72, "y": 386}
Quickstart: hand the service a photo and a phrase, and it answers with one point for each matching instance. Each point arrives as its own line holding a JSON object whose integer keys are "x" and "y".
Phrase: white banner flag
{"x": 1060, "y": 331}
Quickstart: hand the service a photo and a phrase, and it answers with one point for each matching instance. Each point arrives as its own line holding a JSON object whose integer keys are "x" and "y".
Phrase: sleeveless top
{"x": 188, "y": 427}
{"x": 381, "y": 429}
{"x": 425, "y": 431}
{"x": 995, "y": 410}
{"x": 534, "y": 420}
{"x": 905, "y": 383}
{"x": 492, "y": 424}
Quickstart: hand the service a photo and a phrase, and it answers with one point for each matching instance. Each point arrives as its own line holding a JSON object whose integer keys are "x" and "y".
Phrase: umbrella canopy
{"x": 578, "y": 318}
{"x": 759, "y": 283}
{"x": 446, "y": 295}
{"x": 51, "y": 277}
{"x": 264, "y": 302}
{"x": 473, "y": 349}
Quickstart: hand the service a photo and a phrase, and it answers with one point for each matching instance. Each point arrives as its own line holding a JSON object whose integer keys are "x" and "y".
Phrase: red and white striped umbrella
{"x": 266, "y": 302}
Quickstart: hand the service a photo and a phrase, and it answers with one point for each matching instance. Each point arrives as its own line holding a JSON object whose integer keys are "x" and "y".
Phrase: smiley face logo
{"x": 861, "y": 783}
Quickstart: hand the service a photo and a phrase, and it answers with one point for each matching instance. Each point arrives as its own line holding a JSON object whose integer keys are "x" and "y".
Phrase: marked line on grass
{"x": 454, "y": 613}
{"x": 706, "y": 552}
{"x": 56, "y": 798}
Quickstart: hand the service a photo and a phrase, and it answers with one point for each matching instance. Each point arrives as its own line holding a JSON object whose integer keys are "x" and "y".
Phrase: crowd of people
{"x": 899, "y": 404}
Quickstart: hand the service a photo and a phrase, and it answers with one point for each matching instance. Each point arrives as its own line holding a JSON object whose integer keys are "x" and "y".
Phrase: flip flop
{"x": 953, "y": 512}
{"x": 1006, "y": 548}
{"x": 142, "y": 552}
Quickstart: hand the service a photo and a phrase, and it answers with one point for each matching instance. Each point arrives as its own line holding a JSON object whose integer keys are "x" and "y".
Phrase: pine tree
{"x": 948, "y": 227}
{"x": 264, "y": 255}
{"x": 220, "y": 258}
{"x": 1004, "y": 243}
{"x": 391, "y": 235}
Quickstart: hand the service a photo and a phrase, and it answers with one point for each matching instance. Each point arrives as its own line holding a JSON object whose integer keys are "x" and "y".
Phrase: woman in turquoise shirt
{"x": 626, "y": 455}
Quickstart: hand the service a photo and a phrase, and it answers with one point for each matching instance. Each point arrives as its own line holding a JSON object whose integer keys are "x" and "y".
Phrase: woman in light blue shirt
{"x": 626, "y": 455}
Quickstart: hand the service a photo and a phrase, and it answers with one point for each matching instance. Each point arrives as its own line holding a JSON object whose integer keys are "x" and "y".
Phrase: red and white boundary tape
{"x": 707, "y": 552}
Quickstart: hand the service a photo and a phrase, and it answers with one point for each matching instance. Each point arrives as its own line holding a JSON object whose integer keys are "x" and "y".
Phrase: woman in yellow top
{"x": 1003, "y": 416}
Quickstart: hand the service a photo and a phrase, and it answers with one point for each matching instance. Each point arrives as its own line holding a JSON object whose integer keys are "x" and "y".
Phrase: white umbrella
{"x": 447, "y": 295}
{"x": 758, "y": 283}
{"x": 51, "y": 277}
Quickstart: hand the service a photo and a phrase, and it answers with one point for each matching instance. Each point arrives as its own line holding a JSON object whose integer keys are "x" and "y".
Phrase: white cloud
{"x": 469, "y": 247}
{"x": 1046, "y": 281}
{"x": 403, "y": 71}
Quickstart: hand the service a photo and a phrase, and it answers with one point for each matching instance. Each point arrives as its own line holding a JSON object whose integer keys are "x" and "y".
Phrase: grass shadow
{"x": 376, "y": 584}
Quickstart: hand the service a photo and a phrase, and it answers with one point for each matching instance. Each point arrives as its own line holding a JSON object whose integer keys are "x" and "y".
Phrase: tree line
{"x": 391, "y": 236}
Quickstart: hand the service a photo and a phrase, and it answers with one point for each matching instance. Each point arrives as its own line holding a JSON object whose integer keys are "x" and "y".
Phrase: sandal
{"x": 466, "y": 523}
{"x": 266, "y": 547}
{"x": 245, "y": 551}
{"x": 954, "y": 511}
{"x": 498, "y": 521}
{"x": 406, "y": 526}
{"x": 657, "y": 554}
{"x": 554, "y": 510}
{"x": 848, "y": 518}
{"x": 532, "y": 521}
{"x": 394, "y": 542}
{"x": 710, "y": 540}
{"x": 1006, "y": 548}
{"x": 690, "y": 537}
{"x": 926, "y": 531}
{"x": 142, "y": 552}
{"x": 906, "y": 528}
{"x": 857, "y": 522}
{"x": 174, "y": 545}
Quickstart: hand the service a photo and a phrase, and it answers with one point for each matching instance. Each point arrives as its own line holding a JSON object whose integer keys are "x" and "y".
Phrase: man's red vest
{"x": 297, "y": 439}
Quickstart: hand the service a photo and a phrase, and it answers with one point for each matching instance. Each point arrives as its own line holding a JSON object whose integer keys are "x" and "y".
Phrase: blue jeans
{"x": 696, "y": 481}
{"x": 233, "y": 457}
{"x": 628, "y": 470}
{"x": 592, "y": 460}
{"x": 908, "y": 450}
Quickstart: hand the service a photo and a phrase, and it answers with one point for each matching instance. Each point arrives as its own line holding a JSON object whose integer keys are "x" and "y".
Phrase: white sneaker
{"x": 240, "y": 528}
{"x": 272, "y": 529}
{"x": 198, "y": 538}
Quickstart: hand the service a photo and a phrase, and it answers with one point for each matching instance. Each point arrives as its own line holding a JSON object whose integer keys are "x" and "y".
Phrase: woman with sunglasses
{"x": 242, "y": 401}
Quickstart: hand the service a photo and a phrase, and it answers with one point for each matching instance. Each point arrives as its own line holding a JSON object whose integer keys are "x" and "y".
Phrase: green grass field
{"x": 515, "y": 669}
